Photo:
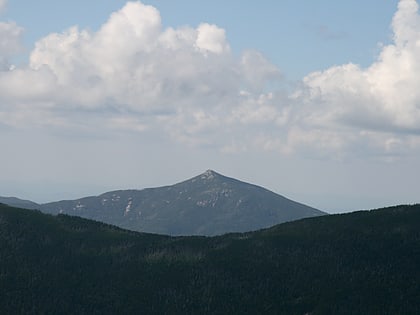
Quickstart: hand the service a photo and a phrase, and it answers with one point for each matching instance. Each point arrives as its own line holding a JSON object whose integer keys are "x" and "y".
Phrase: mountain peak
{"x": 209, "y": 174}
{"x": 207, "y": 204}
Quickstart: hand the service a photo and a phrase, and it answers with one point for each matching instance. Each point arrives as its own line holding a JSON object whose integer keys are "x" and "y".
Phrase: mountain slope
{"x": 209, "y": 204}
{"x": 20, "y": 203}
{"x": 358, "y": 263}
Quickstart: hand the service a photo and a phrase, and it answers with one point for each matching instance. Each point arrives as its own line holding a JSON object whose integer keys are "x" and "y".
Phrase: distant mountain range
{"x": 359, "y": 263}
{"x": 19, "y": 203}
{"x": 208, "y": 204}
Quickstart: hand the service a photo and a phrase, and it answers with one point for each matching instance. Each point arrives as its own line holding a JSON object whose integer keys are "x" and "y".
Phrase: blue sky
{"x": 315, "y": 100}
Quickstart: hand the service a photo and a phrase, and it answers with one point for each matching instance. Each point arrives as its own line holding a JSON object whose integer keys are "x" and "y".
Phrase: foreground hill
{"x": 359, "y": 263}
{"x": 209, "y": 204}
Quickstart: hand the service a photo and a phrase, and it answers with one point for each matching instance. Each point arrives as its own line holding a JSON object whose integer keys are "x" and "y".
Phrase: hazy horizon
{"x": 316, "y": 101}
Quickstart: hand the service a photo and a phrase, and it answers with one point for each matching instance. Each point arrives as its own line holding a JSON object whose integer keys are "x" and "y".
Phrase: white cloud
{"x": 257, "y": 71}
{"x": 132, "y": 75}
{"x": 355, "y": 103}
{"x": 185, "y": 77}
{"x": 211, "y": 38}
{"x": 130, "y": 63}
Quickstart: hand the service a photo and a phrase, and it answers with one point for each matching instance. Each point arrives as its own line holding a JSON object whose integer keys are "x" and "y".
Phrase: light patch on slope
{"x": 128, "y": 207}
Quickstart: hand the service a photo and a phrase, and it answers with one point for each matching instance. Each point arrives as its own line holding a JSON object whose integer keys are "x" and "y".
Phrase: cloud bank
{"x": 185, "y": 83}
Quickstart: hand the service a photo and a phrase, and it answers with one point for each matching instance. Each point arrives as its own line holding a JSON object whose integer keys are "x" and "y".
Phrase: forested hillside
{"x": 360, "y": 263}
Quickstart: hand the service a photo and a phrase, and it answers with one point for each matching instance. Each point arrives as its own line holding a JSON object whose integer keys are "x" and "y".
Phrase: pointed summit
{"x": 209, "y": 174}
{"x": 208, "y": 204}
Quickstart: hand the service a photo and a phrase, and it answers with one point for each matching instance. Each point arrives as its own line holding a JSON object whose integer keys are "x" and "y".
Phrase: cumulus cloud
{"x": 186, "y": 78}
{"x": 132, "y": 75}
{"x": 211, "y": 38}
{"x": 379, "y": 104}
{"x": 130, "y": 63}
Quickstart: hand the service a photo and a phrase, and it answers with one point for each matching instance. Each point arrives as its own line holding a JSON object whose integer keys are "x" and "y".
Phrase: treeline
{"x": 360, "y": 263}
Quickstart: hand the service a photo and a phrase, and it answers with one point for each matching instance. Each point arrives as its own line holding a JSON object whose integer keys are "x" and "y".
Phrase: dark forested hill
{"x": 359, "y": 263}
{"x": 208, "y": 204}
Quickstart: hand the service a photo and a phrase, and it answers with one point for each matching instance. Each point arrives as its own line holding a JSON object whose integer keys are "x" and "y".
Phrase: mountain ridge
{"x": 19, "y": 203}
{"x": 207, "y": 204}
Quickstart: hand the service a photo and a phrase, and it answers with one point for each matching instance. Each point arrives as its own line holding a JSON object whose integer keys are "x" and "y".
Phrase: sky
{"x": 314, "y": 100}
